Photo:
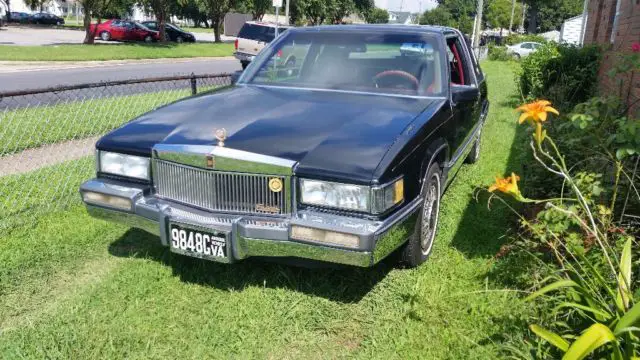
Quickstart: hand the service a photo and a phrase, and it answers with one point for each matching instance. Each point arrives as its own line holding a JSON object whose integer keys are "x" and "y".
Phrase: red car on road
{"x": 124, "y": 30}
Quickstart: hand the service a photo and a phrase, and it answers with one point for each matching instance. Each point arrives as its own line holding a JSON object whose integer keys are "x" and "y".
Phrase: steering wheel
{"x": 397, "y": 73}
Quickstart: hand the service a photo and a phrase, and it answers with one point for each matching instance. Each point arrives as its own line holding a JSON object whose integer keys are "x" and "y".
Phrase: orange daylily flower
{"x": 536, "y": 111}
{"x": 508, "y": 185}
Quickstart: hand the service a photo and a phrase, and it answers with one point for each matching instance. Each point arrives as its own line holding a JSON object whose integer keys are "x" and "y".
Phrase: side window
{"x": 458, "y": 62}
{"x": 526, "y": 46}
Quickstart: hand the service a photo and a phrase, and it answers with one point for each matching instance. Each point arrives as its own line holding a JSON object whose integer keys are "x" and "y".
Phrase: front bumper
{"x": 252, "y": 235}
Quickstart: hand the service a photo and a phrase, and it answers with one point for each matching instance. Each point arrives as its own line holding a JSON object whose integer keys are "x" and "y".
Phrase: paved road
{"x": 30, "y": 36}
{"x": 79, "y": 74}
{"x": 37, "y": 79}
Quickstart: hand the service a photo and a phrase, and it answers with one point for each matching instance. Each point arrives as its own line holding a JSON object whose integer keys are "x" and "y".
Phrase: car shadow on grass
{"x": 344, "y": 284}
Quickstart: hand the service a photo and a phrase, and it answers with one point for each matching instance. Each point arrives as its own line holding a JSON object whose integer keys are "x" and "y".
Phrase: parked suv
{"x": 252, "y": 38}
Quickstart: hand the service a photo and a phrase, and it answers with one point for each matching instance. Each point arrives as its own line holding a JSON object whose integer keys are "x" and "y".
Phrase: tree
{"x": 8, "y": 5}
{"x": 35, "y": 4}
{"x": 364, "y": 7}
{"x": 437, "y": 16}
{"x": 462, "y": 13}
{"x": 217, "y": 9}
{"x": 99, "y": 9}
{"x": 161, "y": 9}
{"x": 191, "y": 9}
{"x": 258, "y": 8}
{"x": 377, "y": 16}
{"x": 546, "y": 15}
{"x": 498, "y": 14}
{"x": 339, "y": 9}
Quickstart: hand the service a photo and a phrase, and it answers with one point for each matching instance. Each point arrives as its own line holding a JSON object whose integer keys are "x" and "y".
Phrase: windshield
{"x": 395, "y": 63}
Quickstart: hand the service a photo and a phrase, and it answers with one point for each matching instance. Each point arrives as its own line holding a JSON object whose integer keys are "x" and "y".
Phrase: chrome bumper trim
{"x": 252, "y": 235}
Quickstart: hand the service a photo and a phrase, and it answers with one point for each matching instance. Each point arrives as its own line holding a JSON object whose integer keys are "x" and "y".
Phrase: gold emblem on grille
{"x": 221, "y": 135}
{"x": 275, "y": 185}
{"x": 211, "y": 162}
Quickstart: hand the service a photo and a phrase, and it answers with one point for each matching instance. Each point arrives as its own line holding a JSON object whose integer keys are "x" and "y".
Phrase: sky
{"x": 406, "y": 5}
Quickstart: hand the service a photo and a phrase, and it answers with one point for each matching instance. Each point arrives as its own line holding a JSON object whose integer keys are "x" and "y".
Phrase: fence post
{"x": 194, "y": 85}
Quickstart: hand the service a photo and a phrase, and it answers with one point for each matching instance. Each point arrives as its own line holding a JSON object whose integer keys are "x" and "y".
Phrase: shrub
{"x": 498, "y": 53}
{"x": 591, "y": 301}
{"x": 518, "y": 38}
{"x": 565, "y": 73}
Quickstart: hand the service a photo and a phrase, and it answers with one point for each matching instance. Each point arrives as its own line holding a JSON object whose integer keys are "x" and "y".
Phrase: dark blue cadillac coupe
{"x": 335, "y": 144}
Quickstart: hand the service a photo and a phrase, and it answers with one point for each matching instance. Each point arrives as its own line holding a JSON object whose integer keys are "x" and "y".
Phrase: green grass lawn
{"x": 72, "y": 52}
{"x": 65, "y": 121}
{"x": 75, "y": 287}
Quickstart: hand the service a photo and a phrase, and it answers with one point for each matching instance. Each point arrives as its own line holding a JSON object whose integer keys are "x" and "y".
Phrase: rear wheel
{"x": 244, "y": 64}
{"x": 417, "y": 250}
{"x": 148, "y": 38}
{"x": 105, "y": 36}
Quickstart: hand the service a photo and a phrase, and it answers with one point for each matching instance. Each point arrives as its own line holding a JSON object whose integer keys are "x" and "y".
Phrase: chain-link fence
{"x": 47, "y": 136}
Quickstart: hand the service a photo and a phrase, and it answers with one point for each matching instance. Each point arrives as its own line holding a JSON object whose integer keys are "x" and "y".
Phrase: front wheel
{"x": 148, "y": 39}
{"x": 417, "y": 250}
{"x": 105, "y": 36}
{"x": 244, "y": 64}
{"x": 179, "y": 39}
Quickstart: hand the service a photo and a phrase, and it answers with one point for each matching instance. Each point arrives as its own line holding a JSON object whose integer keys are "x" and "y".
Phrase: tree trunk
{"x": 89, "y": 35}
{"x": 533, "y": 20}
{"x": 217, "y": 26}
{"x": 8, "y": 10}
{"x": 513, "y": 12}
{"x": 161, "y": 26}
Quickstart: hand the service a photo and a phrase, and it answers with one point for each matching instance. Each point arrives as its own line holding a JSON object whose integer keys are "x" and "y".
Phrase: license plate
{"x": 201, "y": 244}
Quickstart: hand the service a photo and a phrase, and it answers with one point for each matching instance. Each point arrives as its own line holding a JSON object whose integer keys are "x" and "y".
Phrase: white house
{"x": 571, "y": 30}
{"x": 402, "y": 17}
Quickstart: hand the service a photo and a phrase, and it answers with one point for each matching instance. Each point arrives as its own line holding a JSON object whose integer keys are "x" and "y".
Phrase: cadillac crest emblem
{"x": 221, "y": 135}
{"x": 275, "y": 185}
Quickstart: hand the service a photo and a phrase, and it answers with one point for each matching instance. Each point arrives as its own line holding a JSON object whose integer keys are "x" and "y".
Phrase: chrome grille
{"x": 219, "y": 190}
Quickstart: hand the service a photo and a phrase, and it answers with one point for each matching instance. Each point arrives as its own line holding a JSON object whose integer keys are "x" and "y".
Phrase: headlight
{"x": 374, "y": 200}
{"x": 124, "y": 165}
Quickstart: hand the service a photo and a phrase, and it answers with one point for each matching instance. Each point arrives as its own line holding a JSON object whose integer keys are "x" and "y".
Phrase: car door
{"x": 526, "y": 49}
{"x": 465, "y": 98}
{"x": 117, "y": 30}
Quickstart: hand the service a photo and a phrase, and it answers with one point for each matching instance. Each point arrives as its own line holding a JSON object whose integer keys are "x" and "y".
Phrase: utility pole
{"x": 478, "y": 25}
{"x": 524, "y": 13}
{"x": 513, "y": 11}
{"x": 286, "y": 12}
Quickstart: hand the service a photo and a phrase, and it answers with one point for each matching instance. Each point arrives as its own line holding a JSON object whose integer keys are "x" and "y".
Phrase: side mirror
{"x": 235, "y": 76}
{"x": 464, "y": 93}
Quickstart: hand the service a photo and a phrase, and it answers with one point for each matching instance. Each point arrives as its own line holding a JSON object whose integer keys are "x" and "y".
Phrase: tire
{"x": 244, "y": 64}
{"x": 417, "y": 250}
{"x": 179, "y": 39}
{"x": 105, "y": 36}
{"x": 474, "y": 155}
{"x": 517, "y": 56}
{"x": 148, "y": 39}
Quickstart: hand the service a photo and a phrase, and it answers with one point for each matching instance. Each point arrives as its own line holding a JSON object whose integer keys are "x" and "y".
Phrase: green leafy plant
{"x": 498, "y": 53}
{"x": 565, "y": 73}
{"x": 589, "y": 294}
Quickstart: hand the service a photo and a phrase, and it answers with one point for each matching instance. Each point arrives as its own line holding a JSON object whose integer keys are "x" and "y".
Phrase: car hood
{"x": 329, "y": 134}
